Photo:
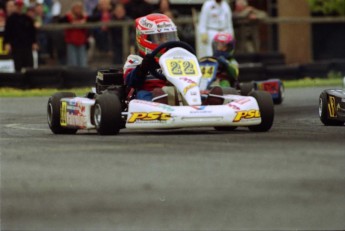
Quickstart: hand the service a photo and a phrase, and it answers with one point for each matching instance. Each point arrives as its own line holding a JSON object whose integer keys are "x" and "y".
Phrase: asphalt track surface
{"x": 292, "y": 177}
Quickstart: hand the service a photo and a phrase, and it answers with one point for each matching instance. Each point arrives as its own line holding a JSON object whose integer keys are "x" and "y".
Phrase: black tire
{"x": 323, "y": 112}
{"x": 229, "y": 91}
{"x": 107, "y": 114}
{"x": 266, "y": 108}
{"x": 246, "y": 88}
{"x": 280, "y": 98}
{"x": 53, "y": 113}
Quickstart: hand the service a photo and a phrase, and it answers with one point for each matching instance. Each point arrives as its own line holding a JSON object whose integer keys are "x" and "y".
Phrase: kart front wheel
{"x": 107, "y": 114}
{"x": 266, "y": 107}
{"x": 53, "y": 113}
{"x": 323, "y": 111}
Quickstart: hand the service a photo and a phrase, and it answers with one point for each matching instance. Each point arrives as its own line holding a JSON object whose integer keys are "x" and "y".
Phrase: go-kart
{"x": 210, "y": 70}
{"x": 109, "y": 109}
{"x": 332, "y": 106}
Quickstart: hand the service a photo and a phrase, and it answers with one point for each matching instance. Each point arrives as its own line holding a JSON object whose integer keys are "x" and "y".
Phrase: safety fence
{"x": 260, "y": 67}
{"x": 191, "y": 23}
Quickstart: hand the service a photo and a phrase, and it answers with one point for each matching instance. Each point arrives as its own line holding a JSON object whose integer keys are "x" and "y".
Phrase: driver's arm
{"x": 135, "y": 69}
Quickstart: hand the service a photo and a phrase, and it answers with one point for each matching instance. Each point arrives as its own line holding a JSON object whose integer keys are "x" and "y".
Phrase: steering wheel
{"x": 167, "y": 46}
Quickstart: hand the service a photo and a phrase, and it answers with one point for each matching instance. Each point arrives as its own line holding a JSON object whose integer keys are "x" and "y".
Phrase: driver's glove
{"x": 143, "y": 68}
{"x": 223, "y": 62}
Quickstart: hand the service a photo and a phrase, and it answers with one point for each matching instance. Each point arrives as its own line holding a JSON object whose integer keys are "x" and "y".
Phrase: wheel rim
{"x": 50, "y": 114}
{"x": 97, "y": 115}
{"x": 320, "y": 107}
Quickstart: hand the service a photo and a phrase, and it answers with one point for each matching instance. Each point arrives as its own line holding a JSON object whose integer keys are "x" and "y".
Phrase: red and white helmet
{"x": 223, "y": 43}
{"x": 153, "y": 30}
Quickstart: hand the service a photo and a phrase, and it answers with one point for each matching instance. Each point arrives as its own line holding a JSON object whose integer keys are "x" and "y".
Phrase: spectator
{"x": 6, "y": 61}
{"x": 164, "y": 8}
{"x": 55, "y": 10}
{"x": 244, "y": 10}
{"x": 215, "y": 16}
{"x": 58, "y": 44}
{"x": 138, "y": 8}
{"x": 3, "y": 52}
{"x": 102, "y": 13}
{"x": 2, "y": 20}
{"x": 248, "y": 36}
{"x": 20, "y": 37}
{"x": 76, "y": 38}
{"x": 90, "y": 6}
{"x": 119, "y": 14}
{"x": 42, "y": 17}
{"x": 2, "y": 4}
{"x": 10, "y": 7}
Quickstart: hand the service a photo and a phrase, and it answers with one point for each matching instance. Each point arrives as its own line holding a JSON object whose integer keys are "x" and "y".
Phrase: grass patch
{"x": 309, "y": 82}
{"x": 306, "y": 82}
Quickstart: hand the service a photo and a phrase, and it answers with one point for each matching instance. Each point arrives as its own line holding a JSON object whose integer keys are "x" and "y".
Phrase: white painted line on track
{"x": 21, "y": 126}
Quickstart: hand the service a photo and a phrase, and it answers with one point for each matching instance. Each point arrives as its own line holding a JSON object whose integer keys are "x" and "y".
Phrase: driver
{"x": 223, "y": 46}
{"x": 151, "y": 31}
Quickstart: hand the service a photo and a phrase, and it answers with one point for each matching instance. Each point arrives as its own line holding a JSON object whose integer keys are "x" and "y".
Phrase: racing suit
{"x": 227, "y": 75}
{"x": 140, "y": 80}
{"x": 214, "y": 18}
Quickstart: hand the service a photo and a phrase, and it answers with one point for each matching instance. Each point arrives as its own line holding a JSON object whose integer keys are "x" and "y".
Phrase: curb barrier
{"x": 45, "y": 77}
{"x": 316, "y": 70}
{"x": 271, "y": 58}
{"x": 13, "y": 80}
{"x": 251, "y": 71}
{"x": 283, "y": 72}
{"x": 267, "y": 58}
{"x": 78, "y": 77}
{"x": 339, "y": 66}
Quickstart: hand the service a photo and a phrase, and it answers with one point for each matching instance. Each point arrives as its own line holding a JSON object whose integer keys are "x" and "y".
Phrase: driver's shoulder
{"x": 133, "y": 61}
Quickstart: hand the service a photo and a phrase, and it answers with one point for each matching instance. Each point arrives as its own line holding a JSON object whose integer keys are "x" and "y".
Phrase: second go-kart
{"x": 275, "y": 87}
{"x": 109, "y": 109}
{"x": 332, "y": 106}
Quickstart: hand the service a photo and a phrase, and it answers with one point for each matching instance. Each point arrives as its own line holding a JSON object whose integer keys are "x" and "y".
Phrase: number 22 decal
{"x": 179, "y": 68}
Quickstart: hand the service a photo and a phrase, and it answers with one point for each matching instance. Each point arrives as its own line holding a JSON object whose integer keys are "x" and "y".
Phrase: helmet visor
{"x": 222, "y": 46}
{"x": 160, "y": 38}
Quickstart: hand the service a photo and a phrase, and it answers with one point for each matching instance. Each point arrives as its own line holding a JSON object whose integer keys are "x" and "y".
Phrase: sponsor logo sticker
{"x": 148, "y": 117}
{"x": 250, "y": 114}
{"x": 63, "y": 114}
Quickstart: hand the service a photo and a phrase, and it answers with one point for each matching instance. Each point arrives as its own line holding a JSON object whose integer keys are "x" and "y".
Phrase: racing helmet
{"x": 223, "y": 44}
{"x": 153, "y": 30}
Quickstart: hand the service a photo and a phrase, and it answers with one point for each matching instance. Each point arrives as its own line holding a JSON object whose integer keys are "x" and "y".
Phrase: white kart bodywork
{"x": 181, "y": 68}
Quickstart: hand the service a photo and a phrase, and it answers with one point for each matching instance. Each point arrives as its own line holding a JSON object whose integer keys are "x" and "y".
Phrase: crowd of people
{"x": 21, "y": 21}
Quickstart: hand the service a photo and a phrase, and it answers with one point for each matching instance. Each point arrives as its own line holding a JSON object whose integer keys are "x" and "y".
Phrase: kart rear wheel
{"x": 53, "y": 113}
{"x": 229, "y": 91}
{"x": 280, "y": 97}
{"x": 246, "y": 88}
{"x": 266, "y": 108}
{"x": 323, "y": 111}
{"x": 107, "y": 114}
